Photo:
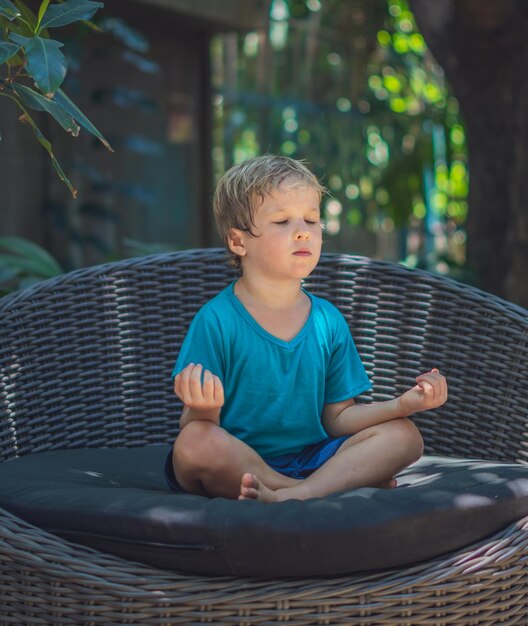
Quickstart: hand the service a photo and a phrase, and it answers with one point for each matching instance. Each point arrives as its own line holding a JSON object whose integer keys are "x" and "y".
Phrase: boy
{"x": 268, "y": 372}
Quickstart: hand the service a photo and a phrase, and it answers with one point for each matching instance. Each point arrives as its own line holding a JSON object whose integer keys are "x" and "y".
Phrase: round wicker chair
{"x": 85, "y": 362}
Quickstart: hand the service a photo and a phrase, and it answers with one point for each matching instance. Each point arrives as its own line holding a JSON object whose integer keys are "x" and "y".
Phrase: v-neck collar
{"x": 246, "y": 315}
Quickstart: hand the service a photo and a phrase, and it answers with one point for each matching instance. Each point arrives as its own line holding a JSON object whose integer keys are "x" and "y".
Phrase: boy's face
{"x": 287, "y": 237}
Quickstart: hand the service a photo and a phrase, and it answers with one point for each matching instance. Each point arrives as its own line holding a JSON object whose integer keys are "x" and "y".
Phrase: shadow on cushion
{"x": 116, "y": 500}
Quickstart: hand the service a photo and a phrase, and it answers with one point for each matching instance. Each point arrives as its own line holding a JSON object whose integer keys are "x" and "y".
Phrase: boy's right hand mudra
{"x": 205, "y": 397}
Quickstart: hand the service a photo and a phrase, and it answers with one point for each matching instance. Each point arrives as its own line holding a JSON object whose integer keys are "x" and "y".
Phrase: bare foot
{"x": 251, "y": 488}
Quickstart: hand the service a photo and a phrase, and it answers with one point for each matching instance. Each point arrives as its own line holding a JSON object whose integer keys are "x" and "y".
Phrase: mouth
{"x": 302, "y": 252}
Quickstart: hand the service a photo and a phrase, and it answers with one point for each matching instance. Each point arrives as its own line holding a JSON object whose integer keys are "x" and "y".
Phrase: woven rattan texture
{"x": 85, "y": 360}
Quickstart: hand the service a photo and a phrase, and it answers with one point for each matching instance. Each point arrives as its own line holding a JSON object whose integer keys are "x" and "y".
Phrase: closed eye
{"x": 311, "y": 222}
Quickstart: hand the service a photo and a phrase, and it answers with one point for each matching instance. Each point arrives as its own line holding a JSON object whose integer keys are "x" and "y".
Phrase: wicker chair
{"x": 85, "y": 361}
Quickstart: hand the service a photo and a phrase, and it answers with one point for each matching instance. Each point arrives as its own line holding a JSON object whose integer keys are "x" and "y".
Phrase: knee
{"x": 406, "y": 437}
{"x": 198, "y": 444}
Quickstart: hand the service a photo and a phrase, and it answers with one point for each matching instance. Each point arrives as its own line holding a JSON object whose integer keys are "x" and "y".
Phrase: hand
{"x": 205, "y": 398}
{"x": 430, "y": 392}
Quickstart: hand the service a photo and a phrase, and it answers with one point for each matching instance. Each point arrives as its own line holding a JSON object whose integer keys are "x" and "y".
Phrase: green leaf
{"x": 26, "y": 15}
{"x": 22, "y": 265}
{"x": 68, "y": 12}
{"x": 24, "y": 254}
{"x": 38, "y": 102}
{"x": 62, "y": 99}
{"x": 7, "y": 50}
{"x": 45, "y": 63}
{"x": 19, "y": 39}
{"x": 9, "y": 10}
{"x": 43, "y": 7}
{"x": 47, "y": 146}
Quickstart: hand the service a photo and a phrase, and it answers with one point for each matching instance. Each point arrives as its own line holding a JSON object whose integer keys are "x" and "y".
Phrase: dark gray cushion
{"x": 116, "y": 500}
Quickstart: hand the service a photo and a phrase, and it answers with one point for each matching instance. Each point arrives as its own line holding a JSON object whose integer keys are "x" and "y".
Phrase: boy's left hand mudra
{"x": 430, "y": 392}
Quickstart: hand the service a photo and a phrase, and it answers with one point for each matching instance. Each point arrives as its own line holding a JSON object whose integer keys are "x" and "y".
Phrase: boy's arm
{"x": 349, "y": 418}
{"x": 201, "y": 400}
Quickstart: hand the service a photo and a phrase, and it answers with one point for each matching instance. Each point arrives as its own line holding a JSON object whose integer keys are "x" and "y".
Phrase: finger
{"x": 183, "y": 384}
{"x": 443, "y": 388}
{"x": 195, "y": 384}
{"x": 218, "y": 391}
{"x": 433, "y": 379}
{"x": 208, "y": 387}
{"x": 179, "y": 378}
{"x": 434, "y": 373}
{"x": 427, "y": 388}
{"x": 177, "y": 385}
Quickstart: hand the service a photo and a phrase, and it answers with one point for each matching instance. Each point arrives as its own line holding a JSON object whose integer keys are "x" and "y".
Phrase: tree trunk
{"x": 481, "y": 44}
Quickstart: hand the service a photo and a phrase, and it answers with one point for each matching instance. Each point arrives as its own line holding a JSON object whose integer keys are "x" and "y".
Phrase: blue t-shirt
{"x": 274, "y": 390}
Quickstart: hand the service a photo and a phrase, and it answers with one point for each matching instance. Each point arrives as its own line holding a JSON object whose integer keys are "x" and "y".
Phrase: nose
{"x": 302, "y": 233}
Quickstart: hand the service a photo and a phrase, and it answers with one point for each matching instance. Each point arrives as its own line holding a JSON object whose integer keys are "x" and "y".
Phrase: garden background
{"x": 182, "y": 92}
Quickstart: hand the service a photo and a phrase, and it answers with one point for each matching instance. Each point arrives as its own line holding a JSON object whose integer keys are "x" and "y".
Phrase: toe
{"x": 250, "y": 481}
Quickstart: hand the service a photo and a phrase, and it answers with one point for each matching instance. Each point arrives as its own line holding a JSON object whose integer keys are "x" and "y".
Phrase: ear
{"x": 236, "y": 242}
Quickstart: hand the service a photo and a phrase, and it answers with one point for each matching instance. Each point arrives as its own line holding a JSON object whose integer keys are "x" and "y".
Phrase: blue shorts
{"x": 298, "y": 465}
{"x": 302, "y": 464}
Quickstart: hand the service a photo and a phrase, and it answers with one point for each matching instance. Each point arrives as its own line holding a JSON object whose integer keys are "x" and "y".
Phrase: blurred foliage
{"x": 350, "y": 86}
{"x": 23, "y": 263}
{"x": 347, "y": 85}
{"x": 89, "y": 225}
{"x": 33, "y": 67}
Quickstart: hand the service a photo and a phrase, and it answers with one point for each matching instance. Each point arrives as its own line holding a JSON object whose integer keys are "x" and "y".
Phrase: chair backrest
{"x": 85, "y": 358}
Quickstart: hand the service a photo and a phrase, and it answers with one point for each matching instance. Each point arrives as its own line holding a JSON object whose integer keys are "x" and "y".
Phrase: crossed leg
{"x": 209, "y": 461}
{"x": 370, "y": 458}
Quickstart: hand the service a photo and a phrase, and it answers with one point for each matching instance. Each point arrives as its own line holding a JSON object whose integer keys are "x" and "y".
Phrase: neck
{"x": 272, "y": 294}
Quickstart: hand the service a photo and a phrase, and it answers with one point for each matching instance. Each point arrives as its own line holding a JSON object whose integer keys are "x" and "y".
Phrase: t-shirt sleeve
{"x": 346, "y": 376}
{"x": 202, "y": 345}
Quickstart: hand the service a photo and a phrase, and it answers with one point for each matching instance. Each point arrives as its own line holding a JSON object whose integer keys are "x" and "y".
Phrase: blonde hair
{"x": 243, "y": 188}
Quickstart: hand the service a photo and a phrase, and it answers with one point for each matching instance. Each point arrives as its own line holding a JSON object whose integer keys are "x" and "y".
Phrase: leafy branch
{"x": 35, "y": 66}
